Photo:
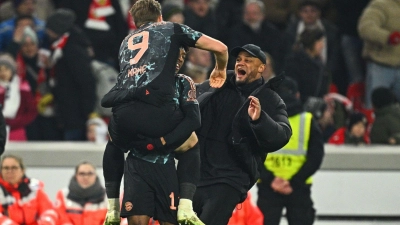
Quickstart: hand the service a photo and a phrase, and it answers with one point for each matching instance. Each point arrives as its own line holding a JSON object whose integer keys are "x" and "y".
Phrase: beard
{"x": 255, "y": 26}
{"x": 248, "y": 79}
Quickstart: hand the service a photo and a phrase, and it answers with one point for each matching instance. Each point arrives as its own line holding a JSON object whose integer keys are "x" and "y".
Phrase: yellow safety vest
{"x": 287, "y": 161}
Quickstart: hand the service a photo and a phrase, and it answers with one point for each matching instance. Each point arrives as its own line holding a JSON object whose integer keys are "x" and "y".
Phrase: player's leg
{"x": 113, "y": 169}
{"x": 217, "y": 203}
{"x": 139, "y": 197}
{"x": 165, "y": 183}
{"x": 138, "y": 220}
{"x": 188, "y": 171}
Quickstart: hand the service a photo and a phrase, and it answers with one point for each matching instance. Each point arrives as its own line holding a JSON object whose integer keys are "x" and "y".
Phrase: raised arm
{"x": 218, "y": 75}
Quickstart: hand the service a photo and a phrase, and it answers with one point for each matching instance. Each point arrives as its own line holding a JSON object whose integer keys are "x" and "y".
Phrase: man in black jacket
{"x": 286, "y": 178}
{"x": 241, "y": 123}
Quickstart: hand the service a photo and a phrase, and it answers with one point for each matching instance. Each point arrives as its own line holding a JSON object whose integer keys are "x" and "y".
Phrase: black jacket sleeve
{"x": 191, "y": 111}
{"x": 315, "y": 154}
{"x": 272, "y": 131}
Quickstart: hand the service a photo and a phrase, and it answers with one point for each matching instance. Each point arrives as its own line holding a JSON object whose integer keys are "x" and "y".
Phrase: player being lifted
{"x": 151, "y": 120}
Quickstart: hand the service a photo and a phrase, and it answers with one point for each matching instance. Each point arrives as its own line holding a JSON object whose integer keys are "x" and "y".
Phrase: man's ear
{"x": 261, "y": 68}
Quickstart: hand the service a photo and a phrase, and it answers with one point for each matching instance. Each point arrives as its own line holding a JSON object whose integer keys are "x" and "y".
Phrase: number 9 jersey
{"x": 148, "y": 56}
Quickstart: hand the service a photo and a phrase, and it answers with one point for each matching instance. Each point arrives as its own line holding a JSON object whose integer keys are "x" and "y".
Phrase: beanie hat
{"x": 7, "y": 60}
{"x": 169, "y": 10}
{"x": 356, "y": 118}
{"x": 29, "y": 34}
{"x": 382, "y": 97}
{"x": 61, "y": 21}
{"x": 316, "y": 106}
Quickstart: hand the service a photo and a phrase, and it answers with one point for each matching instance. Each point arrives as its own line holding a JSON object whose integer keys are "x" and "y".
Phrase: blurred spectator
{"x": 305, "y": 66}
{"x": 103, "y": 23}
{"x": 8, "y": 27}
{"x": 21, "y": 22}
{"x": 279, "y": 12}
{"x": 246, "y": 213}
{"x": 84, "y": 201}
{"x": 309, "y": 12}
{"x": 379, "y": 27}
{"x": 3, "y": 132}
{"x": 97, "y": 131}
{"x": 173, "y": 13}
{"x": 75, "y": 86}
{"x": 269, "y": 71}
{"x": 386, "y": 127}
{"x": 341, "y": 106}
{"x": 351, "y": 44}
{"x": 199, "y": 16}
{"x": 19, "y": 107}
{"x": 23, "y": 199}
{"x": 353, "y": 133}
{"x": 42, "y": 10}
{"x": 228, "y": 13}
{"x": 197, "y": 65}
{"x": 286, "y": 177}
{"x": 106, "y": 77}
{"x": 254, "y": 29}
{"x": 28, "y": 69}
{"x": 323, "y": 114}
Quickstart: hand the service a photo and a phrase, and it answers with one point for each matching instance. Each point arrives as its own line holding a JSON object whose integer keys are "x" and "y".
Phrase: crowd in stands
{"x": 59, "y": 57}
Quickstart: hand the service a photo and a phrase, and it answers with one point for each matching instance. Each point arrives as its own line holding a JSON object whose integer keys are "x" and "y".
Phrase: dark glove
{"x": 148, "y": 144}
{"x": 152, "y": 95}
{"x": 394, "y": 38}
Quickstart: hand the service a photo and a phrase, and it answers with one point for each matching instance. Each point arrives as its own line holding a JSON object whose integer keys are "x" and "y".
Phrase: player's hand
{"x": 217, "y": 78}
{"x": 152, "y": 95}
{"x": 254, "y": 109}
{"x": 148, "y": 144}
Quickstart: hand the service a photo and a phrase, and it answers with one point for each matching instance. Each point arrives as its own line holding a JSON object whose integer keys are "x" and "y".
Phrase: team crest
{"x": 128, "y": 206}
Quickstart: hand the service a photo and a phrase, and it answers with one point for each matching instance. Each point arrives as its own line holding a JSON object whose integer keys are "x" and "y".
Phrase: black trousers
{"x": 299, "y": 206}
{"x": 215, "y": 203}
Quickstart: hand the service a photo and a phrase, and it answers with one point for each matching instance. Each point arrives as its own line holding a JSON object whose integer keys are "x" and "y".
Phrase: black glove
{"x": 152, "y": 95}
{"x": 148, "y": 144}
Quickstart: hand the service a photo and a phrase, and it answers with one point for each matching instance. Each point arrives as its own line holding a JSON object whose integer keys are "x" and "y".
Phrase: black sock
{"x": 189, "y": 171}
{"x": 113, "y": 169}
{"x": 187, "y": 190}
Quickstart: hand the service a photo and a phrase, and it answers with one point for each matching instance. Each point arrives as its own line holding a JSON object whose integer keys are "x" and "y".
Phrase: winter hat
{"x": 382, "y": 97}
{"x": 7, "y": 60}
{"x": 356, "y": 118}
{"x": 61, "y": 21}
{"x": 29, "y": 34}
{"x": 316, "y": 106}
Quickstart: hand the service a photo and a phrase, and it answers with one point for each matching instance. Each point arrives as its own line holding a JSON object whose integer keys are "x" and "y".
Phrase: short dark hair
{"x": 144, "y": 11}
{"x": 309, "y": 37}
{"x": 305, "y": 3}
{"x": 23, "y": 17}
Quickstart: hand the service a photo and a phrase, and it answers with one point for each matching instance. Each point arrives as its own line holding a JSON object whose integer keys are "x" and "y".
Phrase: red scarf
{"x": 98, "y": 11}
{"x": 40, "y": 79}
{"x": 57, "y": 48}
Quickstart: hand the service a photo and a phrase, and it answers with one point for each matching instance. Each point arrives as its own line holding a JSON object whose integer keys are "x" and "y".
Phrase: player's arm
{"x": 218, "y": 75}
{"x": 191, "y": 111}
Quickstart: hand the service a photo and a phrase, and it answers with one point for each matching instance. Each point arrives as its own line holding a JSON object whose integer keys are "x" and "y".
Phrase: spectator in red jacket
{"x": 84, "y": 201}
{"x": 23, "y": 199}
{"x": 353, "y": 133}
{"x": 19, "y": 108}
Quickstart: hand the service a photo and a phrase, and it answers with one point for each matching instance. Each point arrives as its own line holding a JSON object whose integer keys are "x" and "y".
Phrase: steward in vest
{"x": 286, "y": 180}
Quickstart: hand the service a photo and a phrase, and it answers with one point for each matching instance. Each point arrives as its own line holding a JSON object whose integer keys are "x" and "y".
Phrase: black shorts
{"x": 138, "y": 117}
{"x": 150, "y": 189}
